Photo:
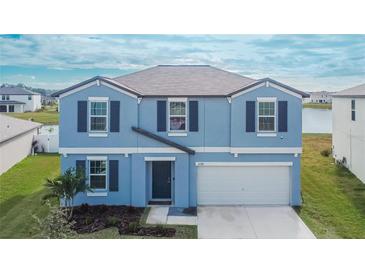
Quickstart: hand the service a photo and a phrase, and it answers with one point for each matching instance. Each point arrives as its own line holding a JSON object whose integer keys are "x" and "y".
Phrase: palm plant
{"x": 66, "y": 186}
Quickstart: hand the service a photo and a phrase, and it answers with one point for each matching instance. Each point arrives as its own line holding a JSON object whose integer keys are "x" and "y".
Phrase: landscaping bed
{"x": 89, "y": 219}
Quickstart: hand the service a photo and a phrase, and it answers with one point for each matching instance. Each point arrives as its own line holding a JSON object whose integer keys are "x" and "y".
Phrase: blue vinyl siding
{"x": 216, "y": 123}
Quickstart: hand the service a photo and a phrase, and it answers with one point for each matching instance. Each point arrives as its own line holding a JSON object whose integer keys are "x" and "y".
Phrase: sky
{"x": 306, "y": 62}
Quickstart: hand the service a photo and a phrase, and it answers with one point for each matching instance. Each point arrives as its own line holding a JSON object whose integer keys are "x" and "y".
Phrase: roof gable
{"x": 97, "y": 80}
{"x": 270, "y": 82}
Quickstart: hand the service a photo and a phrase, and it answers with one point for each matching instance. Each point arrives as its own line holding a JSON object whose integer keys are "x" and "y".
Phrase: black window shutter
{"x": 283, "y": 116}
{"x": 81, "y": 167}
{"x": 161, "y": 115}
{"x": 193, "y": 116}
{"x": 250, "y": 116}
{"x": 114, "y": 116}
{"x": 113, "y": 175}
{"x": 82, "y": 116}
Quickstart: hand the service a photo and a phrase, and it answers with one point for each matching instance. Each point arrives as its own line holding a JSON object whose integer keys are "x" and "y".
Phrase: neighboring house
{"x": 322, "y": 97}
{"x": 18, "y": 99}
{"x": 16, "y": 138}
{"x": 348, "y": 129}
{"x": 48, "y": 100}
{"x": 183, "y": 135}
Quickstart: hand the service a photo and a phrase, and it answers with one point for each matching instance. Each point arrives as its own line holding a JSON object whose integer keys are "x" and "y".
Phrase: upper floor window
{"x": 267, "y": 115}
{"x": 97, "y": 174}
{"x": 98, "y": 116}
{"x": 29, "y": 97}
{"x": 177, "y": 114}
{"x": 3, "y": 97}
{"x": 353, "y": 110}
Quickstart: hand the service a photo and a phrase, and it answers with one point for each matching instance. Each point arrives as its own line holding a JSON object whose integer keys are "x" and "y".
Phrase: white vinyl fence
{"x": 47, "y": 139}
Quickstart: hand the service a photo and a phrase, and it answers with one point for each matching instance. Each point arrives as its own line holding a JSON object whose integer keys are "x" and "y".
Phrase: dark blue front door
{"x": 161, "y": 180}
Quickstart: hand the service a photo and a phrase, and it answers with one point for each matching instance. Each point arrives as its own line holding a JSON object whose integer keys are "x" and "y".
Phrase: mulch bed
{"x": 88, "y": 219}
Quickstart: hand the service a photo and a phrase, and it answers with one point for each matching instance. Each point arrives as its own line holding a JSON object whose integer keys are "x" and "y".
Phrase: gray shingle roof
{"x": 15, "y": 91}
{"x": 181, "y": 80}
{"x": 11, "y": 127}
{"x": 166, "y": 80}
{"x": 10, "y": 102}
{"x": 357, "y": 91}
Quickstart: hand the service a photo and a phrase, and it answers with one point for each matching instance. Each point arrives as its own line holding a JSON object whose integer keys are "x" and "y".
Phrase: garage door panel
{"x": 243, "y": 185}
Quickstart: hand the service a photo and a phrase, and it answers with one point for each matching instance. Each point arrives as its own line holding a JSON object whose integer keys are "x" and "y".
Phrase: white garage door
{"x": 243, "y": 184}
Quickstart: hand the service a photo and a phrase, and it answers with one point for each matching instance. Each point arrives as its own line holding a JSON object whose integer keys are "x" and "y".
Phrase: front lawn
{"x": 21, "y": 190}
{"x": 317, "y": 105}
{"x": 334, "y": 199}
{"x": 46, "y": 116}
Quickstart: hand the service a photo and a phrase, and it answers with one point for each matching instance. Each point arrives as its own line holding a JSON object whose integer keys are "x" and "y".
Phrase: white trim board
{"x": 269, "y": 85}
{"x": 244, "y": 163}
{"x": 166, "y": 159}
{"x": 97, "y": 158}
{"x": 94, "y": 83}
{"x": 98, "y": 99}
{"x": 264, "y": 150}
{"x": 247, "y": 90}
{"x": 72, "y": 91}
{"x": 129, "y": 150}
{"x": 285, "y": 90}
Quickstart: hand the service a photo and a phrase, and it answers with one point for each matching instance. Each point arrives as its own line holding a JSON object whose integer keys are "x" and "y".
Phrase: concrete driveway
{"x": 250, "y": 222}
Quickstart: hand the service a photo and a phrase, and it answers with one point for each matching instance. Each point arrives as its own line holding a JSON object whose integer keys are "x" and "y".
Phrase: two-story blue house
{"x": 184, "y": 135}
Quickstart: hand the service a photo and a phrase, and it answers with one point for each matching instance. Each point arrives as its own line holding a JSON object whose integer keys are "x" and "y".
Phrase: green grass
{"x": 47, "y": 116}
{"x": 21, "y": 190}
{"x": 317, "y": 106}
{"x": 334, "y": 199}
{"x": 182, "y": 231}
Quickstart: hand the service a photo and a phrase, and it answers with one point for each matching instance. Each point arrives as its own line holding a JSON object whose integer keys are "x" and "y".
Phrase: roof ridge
{"x": 184, "y": 65}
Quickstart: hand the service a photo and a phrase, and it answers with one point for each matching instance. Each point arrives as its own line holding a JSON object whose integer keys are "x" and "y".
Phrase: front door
{"x": 161, "y": 180}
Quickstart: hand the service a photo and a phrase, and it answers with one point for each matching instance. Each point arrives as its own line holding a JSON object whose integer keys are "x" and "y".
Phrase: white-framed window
{"x": 3, "y": 97}
{"x": 29, "y": 97}
{"x": 7, "y": 97}
{"x": 266, "y": 118}
{"x": 353, "y": 110}
{"x": 98, "y": 174}
{"x": 98, "y": 115}
{"x": 177, "y": 114}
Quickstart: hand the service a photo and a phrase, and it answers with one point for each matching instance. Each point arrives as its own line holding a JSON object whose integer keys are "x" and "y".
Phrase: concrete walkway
{"x": 240, "y": 222}
{"x": 159, "y": 215}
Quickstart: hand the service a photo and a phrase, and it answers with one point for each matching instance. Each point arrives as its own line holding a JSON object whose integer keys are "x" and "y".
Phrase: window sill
{"x": 266, "y": 134}
{"x": 177, "y": 134}
{"x": 98, "y": 134}
{"x": 97, "y": 194}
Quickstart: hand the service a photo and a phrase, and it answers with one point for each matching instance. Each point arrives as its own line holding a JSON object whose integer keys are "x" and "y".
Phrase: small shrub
{"x": 326, "y": 152}
{"x": 56, "y": 224}
{"x": 112, "y": 221}
{"x": 133, "y": 227}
